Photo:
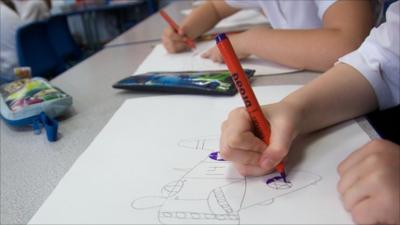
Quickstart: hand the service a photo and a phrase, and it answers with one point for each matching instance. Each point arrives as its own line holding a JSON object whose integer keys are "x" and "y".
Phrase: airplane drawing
{"x": 213, "y": 192}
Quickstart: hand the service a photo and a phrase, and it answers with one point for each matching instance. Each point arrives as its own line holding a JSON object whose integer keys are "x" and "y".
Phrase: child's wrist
{"x": 297, "y": 112}
{"x": 252, "y": 39}
{"x": 245, "y": 42}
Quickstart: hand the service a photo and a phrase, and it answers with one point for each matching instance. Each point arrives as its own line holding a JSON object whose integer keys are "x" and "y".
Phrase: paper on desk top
{"x": 160, "y": 60}
{"x": 150, "y": 165}
{"x": 244, "y": 17}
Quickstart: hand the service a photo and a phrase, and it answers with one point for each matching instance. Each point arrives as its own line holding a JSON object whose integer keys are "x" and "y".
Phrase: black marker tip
{"x": 283, "y": 175}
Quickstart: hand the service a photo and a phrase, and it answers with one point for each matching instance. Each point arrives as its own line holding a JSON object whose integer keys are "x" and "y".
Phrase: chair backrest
{"x": 61, "y": 38}
{"x": 34, "y": 50}
{"x": 383, "y": 5}
{"x": 152, "y": 6}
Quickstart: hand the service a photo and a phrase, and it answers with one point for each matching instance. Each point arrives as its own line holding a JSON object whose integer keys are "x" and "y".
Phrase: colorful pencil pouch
{"x": 185, "y": 82}
{"x": 34, "y": 102}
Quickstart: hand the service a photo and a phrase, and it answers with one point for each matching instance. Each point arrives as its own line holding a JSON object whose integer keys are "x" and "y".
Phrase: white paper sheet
{"x": 160, "y": 60}
{"x": 150, "y": 165}
{"x": 244, "y": 17}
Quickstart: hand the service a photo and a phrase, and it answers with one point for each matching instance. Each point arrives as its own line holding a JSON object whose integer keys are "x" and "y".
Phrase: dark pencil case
{"x": 185, "y": 82}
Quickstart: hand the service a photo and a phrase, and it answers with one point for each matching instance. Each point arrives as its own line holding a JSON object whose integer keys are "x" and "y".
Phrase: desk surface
{"x": 31, "y": 167}
{"x": 152, "y": 27}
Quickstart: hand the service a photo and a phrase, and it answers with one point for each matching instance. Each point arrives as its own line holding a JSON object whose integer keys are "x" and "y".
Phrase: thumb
{"x": 276, "y": 151}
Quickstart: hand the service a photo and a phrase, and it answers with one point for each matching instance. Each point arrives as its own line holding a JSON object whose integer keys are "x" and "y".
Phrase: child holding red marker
{"x": 362, "y": 81}
{"x": 306, "y": 34}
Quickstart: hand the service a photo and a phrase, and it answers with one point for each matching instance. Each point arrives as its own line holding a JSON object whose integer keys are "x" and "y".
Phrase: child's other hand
{"x": 237, "y": 44}
{"x": 369, "y": 183}
{"x": 174, "y": 42}
{"x": 250, "y": 155}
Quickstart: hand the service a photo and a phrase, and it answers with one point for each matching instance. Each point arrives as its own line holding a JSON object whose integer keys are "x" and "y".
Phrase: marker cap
{"x": 220, "y": 37}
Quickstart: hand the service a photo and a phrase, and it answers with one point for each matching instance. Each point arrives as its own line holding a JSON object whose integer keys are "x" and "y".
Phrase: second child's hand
{"x": 176, "y": 29}
{"x": 237, "y": 43}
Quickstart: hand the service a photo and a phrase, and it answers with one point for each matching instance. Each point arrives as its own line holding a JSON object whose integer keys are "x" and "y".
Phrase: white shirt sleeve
{"x": 30, "y": 11}
{"x": 378, "y": 59}
{"x": 323, "y": 6}
{"x": 243, "y": 4}
{"x": 9, "y": 24}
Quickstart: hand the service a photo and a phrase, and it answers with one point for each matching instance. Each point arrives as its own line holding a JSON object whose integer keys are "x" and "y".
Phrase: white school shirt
{"x": 378, "y": 59}
{"x": 9, "y": 23}
{"x": 292, "y": 14}
{"x": 32, "y": 10}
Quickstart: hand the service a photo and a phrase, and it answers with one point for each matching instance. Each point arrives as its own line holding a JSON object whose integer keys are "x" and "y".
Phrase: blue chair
{"x": 152, "y": 6}
{"x": 35, "y": 50}
{"x": 386, "y": 4}
{"x": 62, "y": 40}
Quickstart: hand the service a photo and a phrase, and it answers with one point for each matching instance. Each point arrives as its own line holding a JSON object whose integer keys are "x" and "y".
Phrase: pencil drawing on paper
{"x": 208, "y": 143}
{"x": 213, "y": 192}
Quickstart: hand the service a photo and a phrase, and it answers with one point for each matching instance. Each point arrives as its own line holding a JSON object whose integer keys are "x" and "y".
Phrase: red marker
{"x": 189, "y": 42}
{"x": 243, "y": 86}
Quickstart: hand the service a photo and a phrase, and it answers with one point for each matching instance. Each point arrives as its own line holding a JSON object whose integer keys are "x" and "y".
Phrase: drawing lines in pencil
{"x": 213, "y": 192}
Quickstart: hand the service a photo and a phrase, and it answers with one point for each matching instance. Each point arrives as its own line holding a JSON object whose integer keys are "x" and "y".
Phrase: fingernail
{"x": 266, "y": 163}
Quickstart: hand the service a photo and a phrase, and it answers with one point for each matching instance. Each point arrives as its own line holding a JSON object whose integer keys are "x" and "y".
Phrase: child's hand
{"x": 238, "y": 45}
{"x": 250, "y": 155}
{"x": 369, "y": 183}
{"x": 174, "y": 42}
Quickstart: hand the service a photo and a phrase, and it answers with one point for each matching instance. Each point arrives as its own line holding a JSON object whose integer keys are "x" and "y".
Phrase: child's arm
{"x": 345, "y": 25}
{"x": 199, "y": 21}
{"x": 341, "y": 93}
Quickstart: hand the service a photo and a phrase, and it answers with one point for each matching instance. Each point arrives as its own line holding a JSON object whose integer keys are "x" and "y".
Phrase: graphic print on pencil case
{"x": 213, "y": 192}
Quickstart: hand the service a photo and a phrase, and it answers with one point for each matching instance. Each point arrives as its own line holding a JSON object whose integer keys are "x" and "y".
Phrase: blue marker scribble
{"x": 215, "y": 156}
{"x": 278, "y": 183}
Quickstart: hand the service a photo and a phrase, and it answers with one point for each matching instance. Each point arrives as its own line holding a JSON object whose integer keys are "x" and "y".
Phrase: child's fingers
{"x": 356, "y": 172}
{"x": 243, "y": 148}
{"x": 206, "y": 54}
{"x": 362, "y": 189}
{"x": 248, "y": 170}
{"x": 356, "y": 156}
{"x": 213, "y": 54}
{"x": 241, "y": 157}
{"x": 272, "y": 158}
{"x": 182, "y": 31}
{"x": 180, "y": 46}
{"x": 175, "y": 47}
{"x": 240, "y": 115}
{"x": 238, "y": 122}
{"x": 176, "y": 37}
{"x": 167, "y": 34}
{"x": 246, "y": 141}
{"x": 173, "y": 42}
{"x": 236, "y": 132}
{"x": 364, "y": 212}
{"x": 170, "y": 34}
{"x": 238, "y": 143}
{"x": 277, "y": 150}
{"x": 217, "y": 58}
